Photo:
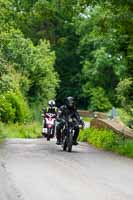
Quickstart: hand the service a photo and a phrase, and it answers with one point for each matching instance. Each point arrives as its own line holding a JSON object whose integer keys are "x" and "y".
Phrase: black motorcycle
{"x": 68, "y": 133}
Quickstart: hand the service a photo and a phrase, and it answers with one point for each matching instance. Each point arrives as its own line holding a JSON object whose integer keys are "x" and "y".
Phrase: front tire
{"x": 64, "y": 145}
{"x": 48, "y": 134}
{"x": 70, "y": 143}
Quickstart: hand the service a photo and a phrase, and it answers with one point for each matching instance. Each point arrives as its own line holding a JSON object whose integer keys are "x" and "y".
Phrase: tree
{"x": 53, "y": 20}
{"x": 34, "y": 63}
{"x": 102, "y": 38}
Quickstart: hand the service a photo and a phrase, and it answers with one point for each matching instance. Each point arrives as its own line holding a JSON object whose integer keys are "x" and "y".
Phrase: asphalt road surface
{"x": 40, "y": 170}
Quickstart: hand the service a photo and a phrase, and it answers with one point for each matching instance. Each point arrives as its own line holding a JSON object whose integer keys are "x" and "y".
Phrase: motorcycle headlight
{"x": 80, "y": 126}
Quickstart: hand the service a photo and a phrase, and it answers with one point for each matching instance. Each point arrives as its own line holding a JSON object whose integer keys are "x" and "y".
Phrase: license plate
{"x": 44, "y": 130}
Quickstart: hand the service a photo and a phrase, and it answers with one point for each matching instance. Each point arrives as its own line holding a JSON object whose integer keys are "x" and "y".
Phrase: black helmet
{"x": 70, "y": 102}
{"x": 51, "y": 103}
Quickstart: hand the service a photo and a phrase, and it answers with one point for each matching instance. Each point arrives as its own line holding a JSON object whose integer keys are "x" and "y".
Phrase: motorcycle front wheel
{"x": 64, "y": 143}
{"x": 48, "y": 134}
{"x": 70, "y": 143}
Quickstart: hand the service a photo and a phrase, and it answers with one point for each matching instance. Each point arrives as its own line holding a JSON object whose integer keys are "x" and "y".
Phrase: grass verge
{"x": 2, "y": 133}
{"x": 32, "y": 130}
{"x": 107, "y": 140}
{"x": 125, "y": 117}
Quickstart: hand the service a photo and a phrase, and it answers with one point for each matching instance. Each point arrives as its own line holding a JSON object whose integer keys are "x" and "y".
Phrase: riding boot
{"x": 75, "y": 136}
{"x": 58, "y": 136}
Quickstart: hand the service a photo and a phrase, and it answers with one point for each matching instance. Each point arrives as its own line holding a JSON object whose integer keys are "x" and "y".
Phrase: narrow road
{"x": 40, "y": 170}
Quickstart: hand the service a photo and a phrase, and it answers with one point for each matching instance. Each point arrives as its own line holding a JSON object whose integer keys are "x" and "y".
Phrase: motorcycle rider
{"x": 66, "y": 111}
{"x": 50, "y": 109}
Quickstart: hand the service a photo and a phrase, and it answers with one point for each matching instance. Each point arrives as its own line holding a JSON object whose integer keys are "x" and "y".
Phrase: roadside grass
{"x": 125, "y": 117}
{"x": 32, "y": 130}
{"x": 2, "y": 132}
{"x": 107, "y": 140}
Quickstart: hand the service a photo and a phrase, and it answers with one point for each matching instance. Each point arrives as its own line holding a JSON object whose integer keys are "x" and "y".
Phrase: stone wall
{"x": 116, "y": 125}
{"x": 87, "y": 113}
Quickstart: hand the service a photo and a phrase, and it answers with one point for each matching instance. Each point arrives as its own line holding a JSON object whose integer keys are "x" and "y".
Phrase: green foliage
{"x": 9, "y": 82}
{"x": 52, "y": 20}
{"x": 2, "y": 132}
{"x": 100, "y": 138}
{"x": 6, "y": 14}
{"x": 98, "y": 100}
{"x": 44, "y": 79}
{"x": 125, "y": 117}
{"x": 125, "y": 148}
{"x": 9, "y": 78}
{"x": 125, "y": 94}
{"x": 19, "y": 104}
{"x": 88, "y": 43}
{"x": 108, "y": 140}
{"x": 7, "y": 113}
{"x": 26, "y": 70}
{"x": 103, "y": 44}
{"x": 13, "y": 108}
{"x": 84, "y": 135}
{"x": 130, "y": 123}
{"x": 3, "y": 64}
{"x": 31, "y": 130}
{"x": 104, "y": 139}
{"x": 38, "y": 80}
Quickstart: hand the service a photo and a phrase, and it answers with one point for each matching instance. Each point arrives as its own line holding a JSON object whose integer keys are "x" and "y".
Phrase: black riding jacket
{"x": 66, "y": 113}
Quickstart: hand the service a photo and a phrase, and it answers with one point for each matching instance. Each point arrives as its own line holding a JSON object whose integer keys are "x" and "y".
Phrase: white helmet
{"x": 51, "y": 103}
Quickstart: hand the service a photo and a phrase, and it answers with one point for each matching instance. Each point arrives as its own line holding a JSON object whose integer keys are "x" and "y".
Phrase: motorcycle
{"x": 49, "y": 130}
{"x": 68, "y": 133}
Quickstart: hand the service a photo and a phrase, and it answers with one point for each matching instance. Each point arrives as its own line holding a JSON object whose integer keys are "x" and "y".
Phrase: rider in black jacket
{"x": 68, "y": 111}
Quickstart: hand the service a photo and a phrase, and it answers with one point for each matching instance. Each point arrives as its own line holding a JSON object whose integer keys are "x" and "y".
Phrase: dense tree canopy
{"x": 58, "y": 48}
{"x": 27, "y": 71}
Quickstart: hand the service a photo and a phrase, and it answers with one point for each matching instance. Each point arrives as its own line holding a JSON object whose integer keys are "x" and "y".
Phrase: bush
{"x": 84, "y": 135}
{"x": 125, "y": 117}
{"x": 107, "y": 140}
{"x": 125, "y": 148}
{"x": 100, "y": 138}
{"x": 104, "y": 139}
{"x": 7, "y": 112}
{"x": 130, "y": 123}
{"x": 98, "y": 100}
{"x": 2, "y": 132}
{"x": 32, "y": 130}
{"x": 13, "y": 108}
{"x": 125, "y": 93}
{"x": 22, "y": 112}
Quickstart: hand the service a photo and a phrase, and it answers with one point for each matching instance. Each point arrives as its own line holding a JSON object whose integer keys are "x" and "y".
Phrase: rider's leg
{"x": 76, "y": 133}
{"x": 44, "y": 126}
{"x": 58, "y": 134}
